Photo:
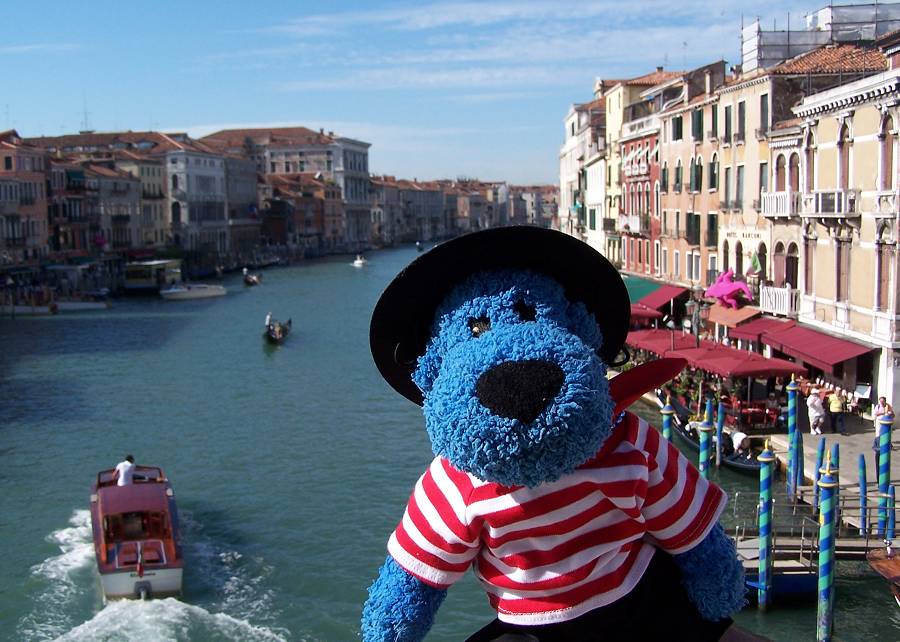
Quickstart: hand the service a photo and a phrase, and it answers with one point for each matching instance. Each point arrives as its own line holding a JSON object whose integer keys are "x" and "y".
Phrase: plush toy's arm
{"x": 400, "y": 607}
{"x": 713, "y": 576}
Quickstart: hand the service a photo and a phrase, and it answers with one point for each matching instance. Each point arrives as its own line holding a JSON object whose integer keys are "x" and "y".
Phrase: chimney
{"x": 708, "y": 77}
{"x": 322, "y": 131}
{"x": 331, "y": 134}
{"x": 659, "y": 68}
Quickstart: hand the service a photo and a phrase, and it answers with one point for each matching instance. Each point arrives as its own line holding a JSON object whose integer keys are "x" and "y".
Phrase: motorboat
{"x": 185, "y": 291}
{"x": 276, "y": 332}
{"x": 419, "y": 246}
{"x": 360, "y": 261}
{"x": 136, "y": 535}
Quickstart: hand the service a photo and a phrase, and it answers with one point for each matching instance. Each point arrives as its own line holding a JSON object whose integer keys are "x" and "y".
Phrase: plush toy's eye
{"x": 525, "y": 311}
{"x": 479, "y": 326}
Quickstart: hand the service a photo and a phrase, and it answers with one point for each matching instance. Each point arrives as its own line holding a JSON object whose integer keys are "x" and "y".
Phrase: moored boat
{"x": 277, "y": 332}
{"x": 886, "y": 563}
{"x": 136, "y": 535}
{"x": 187, "y": 291}
{"x": 359, "y": 261}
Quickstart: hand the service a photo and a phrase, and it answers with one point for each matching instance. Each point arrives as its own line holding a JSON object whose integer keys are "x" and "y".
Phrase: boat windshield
{"x": 135, "y": 526}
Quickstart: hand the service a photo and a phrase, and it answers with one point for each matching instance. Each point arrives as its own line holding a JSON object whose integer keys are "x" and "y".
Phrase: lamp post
{"x": 698, "y": 310}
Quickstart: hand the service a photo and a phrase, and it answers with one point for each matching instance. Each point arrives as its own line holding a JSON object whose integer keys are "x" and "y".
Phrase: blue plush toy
{"x": 580, "y": 521}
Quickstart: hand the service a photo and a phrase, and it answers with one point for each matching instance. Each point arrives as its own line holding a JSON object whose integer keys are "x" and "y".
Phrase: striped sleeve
{"x": 434, "y": 541}
{"x": 680, "y": 507}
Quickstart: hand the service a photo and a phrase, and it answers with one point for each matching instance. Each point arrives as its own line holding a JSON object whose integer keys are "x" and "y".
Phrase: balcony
{"x": 609, "y": 224}
{"x": 630, "y": 223}
{"x": 152, "y": 195}
{"x": 739, "y": 138}
{"x": 179, "y": 195}
{"x": 782, "y": 301}
{"x": 777, "y": 204}
{"x": 839, "y": 203}
{"x": 14, "y": 241}
{"x": 121, "y": 219}
{"x": 760, "y": 133}
{"x": 712, "y": 134}
{"x": 8, "y": 207}
{"x": 26, "y": 200}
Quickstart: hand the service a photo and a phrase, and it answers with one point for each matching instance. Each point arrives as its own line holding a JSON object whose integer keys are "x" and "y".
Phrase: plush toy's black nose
{"x": 519, "y": 389}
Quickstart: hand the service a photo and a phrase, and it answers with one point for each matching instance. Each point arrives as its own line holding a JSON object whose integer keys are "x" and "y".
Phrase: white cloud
{"x": 43, "y": 47}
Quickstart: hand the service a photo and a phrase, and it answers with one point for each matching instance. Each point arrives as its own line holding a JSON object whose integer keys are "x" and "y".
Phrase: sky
{"x": 439, "y": 89}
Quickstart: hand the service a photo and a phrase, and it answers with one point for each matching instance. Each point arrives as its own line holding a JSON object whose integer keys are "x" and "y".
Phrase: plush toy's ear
{"x": 628, "y": 387}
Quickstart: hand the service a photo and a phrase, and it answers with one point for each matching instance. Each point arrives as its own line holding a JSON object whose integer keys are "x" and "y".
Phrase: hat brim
{"x": 403, "y": 317}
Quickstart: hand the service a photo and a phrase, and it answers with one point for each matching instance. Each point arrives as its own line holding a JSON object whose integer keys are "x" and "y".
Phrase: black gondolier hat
{"x": 404, "y": 315}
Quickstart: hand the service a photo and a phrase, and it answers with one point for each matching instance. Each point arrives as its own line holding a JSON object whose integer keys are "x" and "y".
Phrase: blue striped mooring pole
{"x": 891, "y": 514}
{"x": 827, "y": 484}
{"x": 720, "y": 426}
{"x": 835, "y": 471}
{"x": 863, "y": 500}
{"x": 706, "y": 427}
{"x": 766, "y": 462}
{"x": 820, "y": 461}
{"x": 792, "y": 439}
{"x": 667, "y": 412}
{"x": 885, "y": 425}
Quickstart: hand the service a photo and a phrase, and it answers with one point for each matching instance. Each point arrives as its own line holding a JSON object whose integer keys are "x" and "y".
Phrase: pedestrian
{"x": 881, "y": 409}
{"x": 836, "y": 412}
{"x": 816, "y": 412}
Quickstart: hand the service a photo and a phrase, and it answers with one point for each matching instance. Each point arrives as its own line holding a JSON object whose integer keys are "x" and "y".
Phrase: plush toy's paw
{"x": 713, "y": 576}
{"x": 400, "y": 607}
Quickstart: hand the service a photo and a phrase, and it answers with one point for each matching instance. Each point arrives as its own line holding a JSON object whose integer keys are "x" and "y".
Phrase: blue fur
{"x": 712, "y": 576}
{"x": 509, "y": 452}
{"x": 400, "y": 607}
{"x": 499, "y": 449}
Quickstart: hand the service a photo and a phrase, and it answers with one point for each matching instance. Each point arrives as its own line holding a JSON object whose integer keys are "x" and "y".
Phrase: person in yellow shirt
{"x": 836, "y": 413}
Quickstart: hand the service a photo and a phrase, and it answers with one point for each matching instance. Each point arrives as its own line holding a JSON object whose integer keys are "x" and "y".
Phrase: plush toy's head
{"x": 510, "y": 356}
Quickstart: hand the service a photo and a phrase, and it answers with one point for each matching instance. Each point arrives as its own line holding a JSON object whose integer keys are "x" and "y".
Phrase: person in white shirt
{"x": 816, "y": 412}
{"x": 124, "y": 474}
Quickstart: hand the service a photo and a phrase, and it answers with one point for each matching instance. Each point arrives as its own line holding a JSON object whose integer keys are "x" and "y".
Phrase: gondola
{"x": 681, "y": 428}
{"x": 276, "y": 332}
{"x": 251, "y": 279}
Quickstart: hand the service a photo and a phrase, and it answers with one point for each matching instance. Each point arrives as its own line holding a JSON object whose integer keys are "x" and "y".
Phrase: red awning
{"x": 730, "y": 317}
{"x": 641, "y": 311}
{"x": 752, "y": 330}
{"x": 813, "y": 347}
{"x": 726, "y": 361}
{"x": 659, "y": 340}
{"x": 658, "y": 298}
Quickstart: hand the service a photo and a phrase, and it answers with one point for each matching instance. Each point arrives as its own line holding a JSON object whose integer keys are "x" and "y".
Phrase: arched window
{"x": 779, "y": 173}
{"x": 174, "y": 181}
{"x": 887, "y": 154}
{"x": 810, "y": 163}
{"x": 809, "y": 261}
{"x": 664, "y": 178}
{"x": 884, "y": 258}
{"x": 655, "y": 208}
{"x": 844, "y": 144}
{"x": 792, "y": 266}
{"x": 738, "y": 258}
{"x": 762, "y": 256}
{"x": 176, "y": 211}
{"x": 698, "y": 179}
{"x": 692, "y": 177}
{"x": 725, "y": 261}
{"x": 678, "y": 176}
{"x": 714, "y": 172}
{"x": 648, "y": 200}
{"x": 778, "y": 265}
{"x": 794, "y": 173}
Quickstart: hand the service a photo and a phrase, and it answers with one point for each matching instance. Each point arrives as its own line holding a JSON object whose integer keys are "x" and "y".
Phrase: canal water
{"x": 291, "y": 466}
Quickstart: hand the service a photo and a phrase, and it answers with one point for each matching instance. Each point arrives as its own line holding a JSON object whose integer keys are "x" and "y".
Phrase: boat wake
{"x": 229, "y": 598}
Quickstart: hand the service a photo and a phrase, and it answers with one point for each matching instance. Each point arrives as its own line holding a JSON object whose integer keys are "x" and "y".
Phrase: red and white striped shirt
{"x": 553, "y": 552}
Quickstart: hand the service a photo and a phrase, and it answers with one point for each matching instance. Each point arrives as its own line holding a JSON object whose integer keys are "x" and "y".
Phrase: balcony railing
{"x": 831, "y": 203}
{"x": 780, "y": 203}
{"x": 609, "y": 224}
{"x": 692, "y": 235}
{"x": 712, "y": 134}
{"x": 121, "y": 219}
{"x": 783, "y": 301}
{"x": 711, "y": 276}
{"x": 739, "y": 137}
{"x": 26, "y": 200}
{"x": 152, "y": 195}
{"x": 8, "y": 207}
{"x": 13, "y": 241}
{"x": 760, "y": 133}
{"x": 632, "y": 223}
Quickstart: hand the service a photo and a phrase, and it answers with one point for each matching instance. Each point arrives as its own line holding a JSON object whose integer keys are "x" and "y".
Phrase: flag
{"x": 755, "y": 266}
{"x": 140, "y": 560}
